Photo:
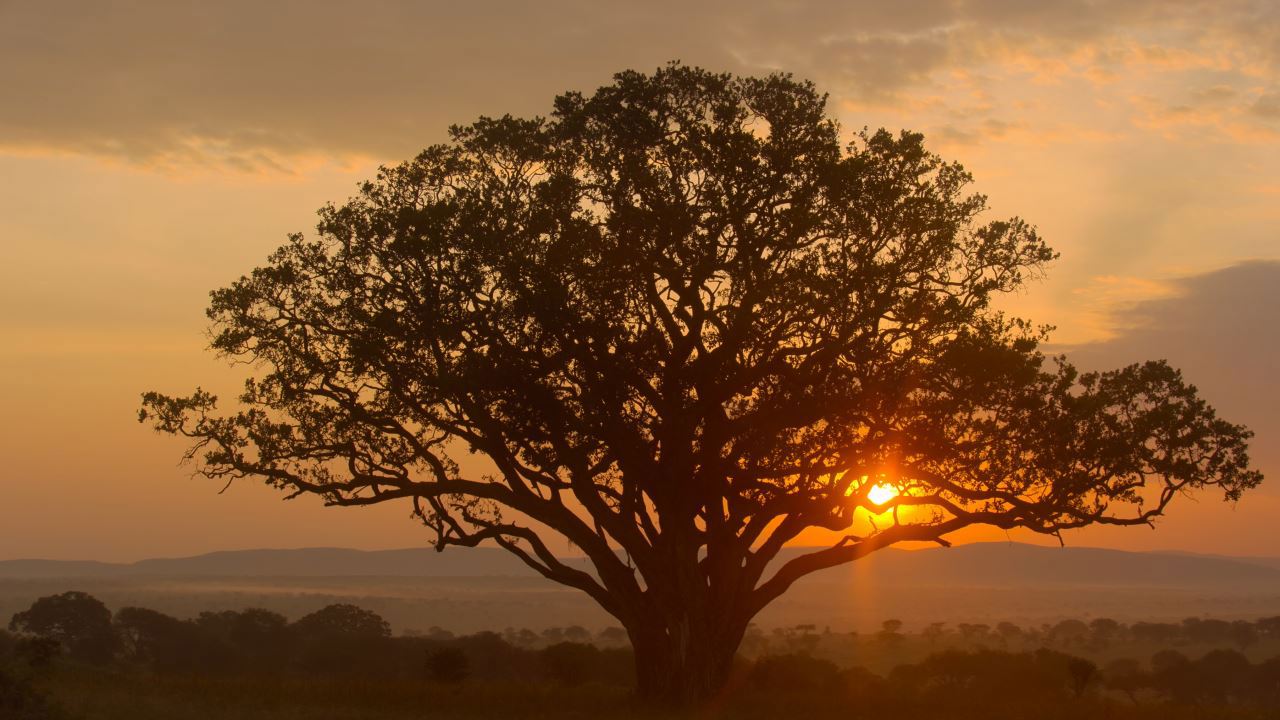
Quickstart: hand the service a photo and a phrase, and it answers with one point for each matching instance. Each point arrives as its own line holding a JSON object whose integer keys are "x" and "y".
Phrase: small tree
{"x": 1008, "y": 632}
{"x": 973, "y": 633}
{"x": 889, "y": 632}
{"x": 682, "y": 322}
{"x": 1069, "y": 633}
{"x": 1104, "y": 631}
{"x": 612, "y": 636}
{"x": 934, "y": 632}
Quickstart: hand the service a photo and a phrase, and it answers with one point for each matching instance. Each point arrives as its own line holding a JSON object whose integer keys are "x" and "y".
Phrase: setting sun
{"x": 882, "y": 493}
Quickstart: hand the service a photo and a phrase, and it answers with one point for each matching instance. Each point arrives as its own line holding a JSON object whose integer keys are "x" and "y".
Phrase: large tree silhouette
{"x": 679, "y": 322}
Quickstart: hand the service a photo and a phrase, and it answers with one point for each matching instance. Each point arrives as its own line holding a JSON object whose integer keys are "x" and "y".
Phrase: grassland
{"x": 96, "y": 694}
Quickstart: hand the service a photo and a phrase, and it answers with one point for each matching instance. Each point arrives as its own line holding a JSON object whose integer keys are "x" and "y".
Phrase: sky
{"x": 151, "y": 151}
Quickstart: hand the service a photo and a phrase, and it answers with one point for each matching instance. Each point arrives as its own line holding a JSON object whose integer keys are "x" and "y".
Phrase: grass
{"x": 103, "y": 695}
{"x": 97, "y": 694}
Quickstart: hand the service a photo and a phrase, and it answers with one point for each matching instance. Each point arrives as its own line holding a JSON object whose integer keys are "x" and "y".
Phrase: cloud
{"x": 1220, "y": 328}
{"x": 258, "y": 85}
{"x": 1267, "y": 107}
{"x": 1223, "y": 111}
{"x": 1105, "y": 307}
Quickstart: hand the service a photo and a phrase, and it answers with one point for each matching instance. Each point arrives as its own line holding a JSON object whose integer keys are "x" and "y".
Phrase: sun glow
{"x": 882, "y": 493}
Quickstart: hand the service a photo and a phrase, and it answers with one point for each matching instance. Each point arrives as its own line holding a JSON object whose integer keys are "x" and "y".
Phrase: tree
{"x": 889, "y": 634}
{"x": 1104, "y": 631}
{"x": 340, "y": 634}
{"x": 1068, "y": 633}
{"x": 342, "y": 620}
{"x": 249, "y": 638}
{"x": 1008, "y": 632}
{"x": 153, "y": 638}
{"x": 973, "y": 632}
{"x": 1082, "y": 672}
{"x": 676, "y": 324}
{"x": 77, "y": 620}
{"x": 933, "y": 632}
{"x": 612, "y": 636}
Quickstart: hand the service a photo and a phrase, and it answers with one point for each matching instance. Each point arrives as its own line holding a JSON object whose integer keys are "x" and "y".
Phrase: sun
{"x": 882, "y": 493}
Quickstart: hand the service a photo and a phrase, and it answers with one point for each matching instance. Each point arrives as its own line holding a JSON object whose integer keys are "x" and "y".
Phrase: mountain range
{"x": 973, "y": 565}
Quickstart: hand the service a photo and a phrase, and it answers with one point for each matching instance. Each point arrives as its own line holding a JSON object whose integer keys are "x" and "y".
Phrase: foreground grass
{"x": 97, "y": 694}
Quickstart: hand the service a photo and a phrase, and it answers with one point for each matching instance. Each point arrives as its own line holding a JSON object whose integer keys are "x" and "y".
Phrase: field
{"x": 89, "y": 694}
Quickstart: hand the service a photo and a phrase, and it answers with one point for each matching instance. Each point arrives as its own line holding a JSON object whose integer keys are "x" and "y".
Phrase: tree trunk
{"x": 682, "y": 667}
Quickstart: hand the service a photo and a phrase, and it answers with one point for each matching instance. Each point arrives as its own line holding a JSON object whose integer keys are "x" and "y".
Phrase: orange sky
{"x": 149, "y": 155}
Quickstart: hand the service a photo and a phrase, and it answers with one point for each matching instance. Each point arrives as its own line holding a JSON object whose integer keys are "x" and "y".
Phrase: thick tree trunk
{"x": 687, "y": 626}
{"x": 684, "y": 666}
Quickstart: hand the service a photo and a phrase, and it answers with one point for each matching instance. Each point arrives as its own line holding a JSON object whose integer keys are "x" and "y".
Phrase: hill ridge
{"x": 977, "y": 564}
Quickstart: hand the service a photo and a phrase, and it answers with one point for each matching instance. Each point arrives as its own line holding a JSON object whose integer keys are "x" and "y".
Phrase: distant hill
{"x": 1016, "y": 564}
{"x": 472, "y": 589}
{"x": 1263, "y": 560}
{"x": 974, "y": 565}
{"x": 303, "y": 562}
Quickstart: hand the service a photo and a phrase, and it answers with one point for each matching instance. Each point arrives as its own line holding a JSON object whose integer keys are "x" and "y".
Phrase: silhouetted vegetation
{"x": 243, "y": 663}
{"x": 684, "y": 317}
{"x": 23, "y": 661}
{"x": 77, "y": 621}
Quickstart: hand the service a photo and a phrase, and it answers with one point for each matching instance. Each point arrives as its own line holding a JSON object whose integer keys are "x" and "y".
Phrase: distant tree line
{"x": 1001, "y": 665}
{"x": 1095, "y": 636}
{"x": 339, "y": 638}
{"x": 1002, "y": 680}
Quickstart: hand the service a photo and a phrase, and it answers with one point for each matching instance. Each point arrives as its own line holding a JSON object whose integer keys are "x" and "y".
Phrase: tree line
{"x": 970, "y": 664}
{"x": 341, "y": 638}
{"x": 1098, "y": 636}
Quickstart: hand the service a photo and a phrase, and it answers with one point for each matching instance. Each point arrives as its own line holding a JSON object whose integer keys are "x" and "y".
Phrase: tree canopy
{"x": 79, "y": 622}
{"x": 345, "y": 620}
{"x": 679, "y": 322}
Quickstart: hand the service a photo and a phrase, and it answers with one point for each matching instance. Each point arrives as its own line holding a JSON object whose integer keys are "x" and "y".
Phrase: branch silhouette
{"x": 684, "y": 323}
